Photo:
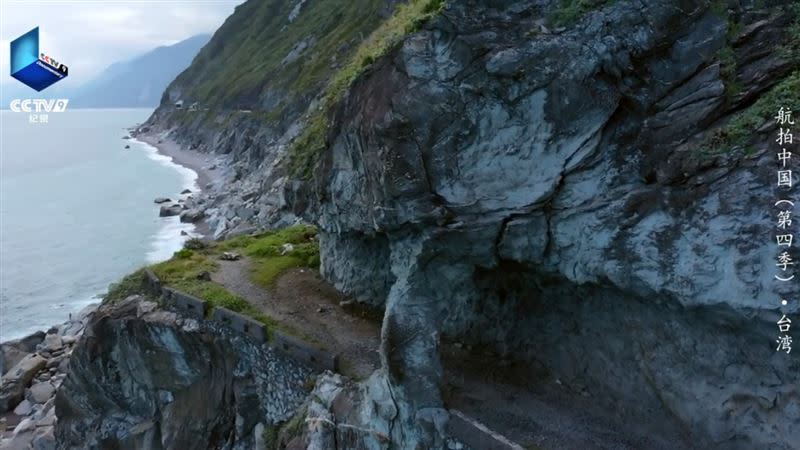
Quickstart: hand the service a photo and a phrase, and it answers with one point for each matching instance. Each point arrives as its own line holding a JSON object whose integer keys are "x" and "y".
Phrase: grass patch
{"x": 728, "y": 69}
{"x": 266, "y": 272}
{"x": 791, "y": 49}
{"x": 270, "y": 437}
{"x": 266, "y": 252}
{"x": 184, "y": 271}
{"x": 295, "y": 426}
{"x": 742, "y": 127}
{"x": 407, "y": 18}
{"x": 130, "y": 285}
{"x": 185, "y": 266}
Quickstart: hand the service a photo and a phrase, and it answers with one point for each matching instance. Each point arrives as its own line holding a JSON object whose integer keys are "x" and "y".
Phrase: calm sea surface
{"x": 77, "y": 212}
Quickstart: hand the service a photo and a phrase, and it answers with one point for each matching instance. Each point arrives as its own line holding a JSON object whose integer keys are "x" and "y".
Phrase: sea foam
{"x": 169, "y": 239}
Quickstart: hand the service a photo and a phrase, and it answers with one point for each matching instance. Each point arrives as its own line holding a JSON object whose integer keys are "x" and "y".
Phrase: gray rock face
{"x": 169, "y": 210}
{"x": 548, "y": 196}
{"x": 12, "y": 352}
{"x": 41, "y": 392}
{"x": 139, "y": 378}
{"x": 14, "y": 382}
{"x": 192, "y": 215}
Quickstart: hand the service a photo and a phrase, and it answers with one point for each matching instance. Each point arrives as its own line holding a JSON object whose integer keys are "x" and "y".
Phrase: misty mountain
{"x": 140, "y": 81}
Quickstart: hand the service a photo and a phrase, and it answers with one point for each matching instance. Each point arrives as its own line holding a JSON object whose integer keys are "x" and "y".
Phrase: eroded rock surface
{"x": 144, "y": 377}
{"x": 29, "y": 388}
{"x": 548, "y": 194}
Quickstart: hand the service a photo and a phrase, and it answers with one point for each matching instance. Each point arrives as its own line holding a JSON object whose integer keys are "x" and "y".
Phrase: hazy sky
{"x": 89, "y": 35}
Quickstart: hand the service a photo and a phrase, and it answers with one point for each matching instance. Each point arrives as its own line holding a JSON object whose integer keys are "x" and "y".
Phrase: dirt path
{"x": 305, "y": 302}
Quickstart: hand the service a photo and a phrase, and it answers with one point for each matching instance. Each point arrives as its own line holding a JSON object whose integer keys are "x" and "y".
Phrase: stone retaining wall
{"x": 186, "y": 303}
{"x": 242, "y": 324}
{"x": 306, "y": 353}
{"x": 152, "y": 283}
{"x": 196, "y": 307}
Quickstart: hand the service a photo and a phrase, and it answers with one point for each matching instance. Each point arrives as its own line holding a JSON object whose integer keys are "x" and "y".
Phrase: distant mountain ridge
{"x": 141, "y": 81}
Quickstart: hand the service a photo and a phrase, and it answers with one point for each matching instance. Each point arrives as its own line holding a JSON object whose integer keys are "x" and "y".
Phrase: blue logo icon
{"x": 31, "y": 67}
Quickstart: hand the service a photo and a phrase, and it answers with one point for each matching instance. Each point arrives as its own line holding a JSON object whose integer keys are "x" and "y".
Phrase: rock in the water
{"x": 184, "y": 233}
{"x": 127, "y": 146}
{"x": 170, "y": 210}
{"x": 41, "y": 392}
{"x": 160, "y": 200}
{"x": 14, "y": 382}
{"x": 186, "y": 191}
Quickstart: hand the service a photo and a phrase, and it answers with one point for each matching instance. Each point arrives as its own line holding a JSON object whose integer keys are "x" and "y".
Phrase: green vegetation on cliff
{"x": 131, "y": 284}
{"x": 189, "y": 269}
{"x": 406, "y": 19}
{"x": 284, "y": 47}
{"x": 268, "y": 255}
{"x": 268, "y": 259}
{"x": 742, "y": 127}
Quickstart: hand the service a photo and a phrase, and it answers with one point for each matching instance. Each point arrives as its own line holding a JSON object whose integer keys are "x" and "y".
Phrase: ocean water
{"x": 77, "y": 212}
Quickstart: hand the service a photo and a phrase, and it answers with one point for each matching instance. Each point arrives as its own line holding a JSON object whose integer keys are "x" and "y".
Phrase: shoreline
{"x": 193, "y": 160}
{"x": 190, "y": 159}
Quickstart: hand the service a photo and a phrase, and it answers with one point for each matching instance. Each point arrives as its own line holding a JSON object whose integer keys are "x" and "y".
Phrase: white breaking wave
{"x": 168, "y": 239}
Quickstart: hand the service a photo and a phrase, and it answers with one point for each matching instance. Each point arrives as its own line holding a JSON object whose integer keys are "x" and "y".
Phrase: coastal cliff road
{"x": 537, "y": 412}
{"x": 303, "y": 301}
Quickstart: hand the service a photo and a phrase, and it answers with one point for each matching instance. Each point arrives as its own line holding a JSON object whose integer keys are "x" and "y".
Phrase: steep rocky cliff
{"x": 588, "y": 189}
{"x": 563, "y": 197}
{"x": 143, "y": 377}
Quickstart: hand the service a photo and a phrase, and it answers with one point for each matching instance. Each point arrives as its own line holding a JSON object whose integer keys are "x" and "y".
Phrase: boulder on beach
{"x": 52, "y": 343}
{"x": 12, "y": 352}
{"x": 13, "y": 383}
{"x": 160, "y": 200}
{"x": 170, "y": 210}
{"x": 186, "y": 191}
{"x": 192, "y": 215}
